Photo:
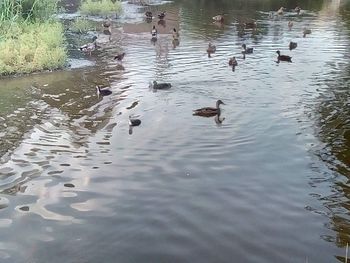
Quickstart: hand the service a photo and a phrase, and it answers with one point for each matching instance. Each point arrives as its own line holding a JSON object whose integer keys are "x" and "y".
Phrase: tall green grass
{"x": 36, "y": 47}
{"x": 30, "y": 40}
{"x": 101, "y": 7}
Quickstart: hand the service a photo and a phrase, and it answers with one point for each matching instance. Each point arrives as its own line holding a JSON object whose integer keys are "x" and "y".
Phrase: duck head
{"x": 244, "y": 46}
{"x": 94, "y": 39}
{"x": 219, "y": 102}
{"x": 278, "y": 52}
{"x": 155, "y": 83}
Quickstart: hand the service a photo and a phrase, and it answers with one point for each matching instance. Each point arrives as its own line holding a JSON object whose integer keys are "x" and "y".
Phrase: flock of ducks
{"x": 206, "y": 111}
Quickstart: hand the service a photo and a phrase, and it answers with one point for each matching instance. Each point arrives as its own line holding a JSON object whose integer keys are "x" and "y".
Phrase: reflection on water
{"x": 266, "y": 181}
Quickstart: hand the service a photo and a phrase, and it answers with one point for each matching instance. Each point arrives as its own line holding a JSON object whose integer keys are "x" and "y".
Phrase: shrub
{"x": 101, "y": 7}
{"x": 37, "y": 46}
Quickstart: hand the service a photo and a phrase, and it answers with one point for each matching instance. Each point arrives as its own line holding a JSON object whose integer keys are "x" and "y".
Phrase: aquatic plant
{"x": 82, "y": 25}
{"x": 101, "y": 7}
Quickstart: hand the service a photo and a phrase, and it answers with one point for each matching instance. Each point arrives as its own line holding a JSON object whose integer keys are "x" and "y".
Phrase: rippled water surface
{"x": 267, "y": 182}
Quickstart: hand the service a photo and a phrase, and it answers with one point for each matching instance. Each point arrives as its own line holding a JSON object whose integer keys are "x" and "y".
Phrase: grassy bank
{"x": 29, "y": 39}
{"x": 101, "y": 7}
{"x": 33, "y": 47}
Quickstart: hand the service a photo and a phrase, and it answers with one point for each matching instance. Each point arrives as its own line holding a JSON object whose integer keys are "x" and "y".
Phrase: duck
{"x": 103, "y": 92}
{"x": 283, "y": 57}
{"x": 280, "y": 11}
{"x": 162, "y": 15}
{"x": 292, "y": 45}
{"x": 250, "y": 24}
{"x": 233, "y": 63}
{"x": 306, "y": 32}
{"x": 120, "y": 56}
{"x": 107, "y": 24}
{"x": 154, "y": 32}
{"x": 297, "y": 9}
{"x": 290, "y": 25}
{"x": 209, "y": 111}
{"x": 88, "y": 48}
{"x": 176, "y": 34}
{"x": 157, "y": 85}
{"x": 134, "y": 122}
{"x": 211, "y": 49}
{"x": 246, "y": 50}
{"x": 219, "y": 18}
{"x": 149, "y": 15}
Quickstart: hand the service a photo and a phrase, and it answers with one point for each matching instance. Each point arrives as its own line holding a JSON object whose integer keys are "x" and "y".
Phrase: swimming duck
{"x": 297, "y": 9}
{"x": 250, "y": 24}
{"x": 292, "y": 45}
{"x": 161, "y": 85}
{"x": 120, "y": 56}
{"x": 219, "y": 18}
{"x": 306, "y": 32}
{"x": 211, "y": 49}
{"x": 134, "y": 121}
{"x": 246, "y": 50}
{"x": 280, "y": 11}
{"x": 162, "y": 15}
{"x": 283, "y": 57}
{"x": 176, "y": 34}
{"x": 154, "y": 32}
{"x": 103, "y": 92}
{"x": 290, "y": 25}
{"x": 88, "y": 48}
{"x": 149, "y": 15}
{"x": 209, "y": 111}
{"x": 233, "y": 63}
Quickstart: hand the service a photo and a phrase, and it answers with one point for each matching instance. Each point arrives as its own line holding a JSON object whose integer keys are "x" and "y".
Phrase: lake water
{"x": 267, "y": 184}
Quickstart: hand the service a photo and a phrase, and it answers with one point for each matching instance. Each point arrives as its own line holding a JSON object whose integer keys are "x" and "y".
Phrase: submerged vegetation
{"x": 30, "y": 40}
{"x": 101, "y": 8}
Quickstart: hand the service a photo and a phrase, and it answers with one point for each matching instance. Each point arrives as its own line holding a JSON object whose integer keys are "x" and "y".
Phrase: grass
{"x": 35, "y": 47}
{"x": 82, "y": 25}
{"x": 101, "y": 7}
{"x": 29, "y": 39}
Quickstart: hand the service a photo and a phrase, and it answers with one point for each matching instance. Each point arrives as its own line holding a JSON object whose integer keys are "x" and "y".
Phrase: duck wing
{"x": 206, "y": 112}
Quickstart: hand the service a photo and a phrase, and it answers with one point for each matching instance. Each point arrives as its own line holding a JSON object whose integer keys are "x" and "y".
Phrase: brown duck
{"x": 209, "y": 111}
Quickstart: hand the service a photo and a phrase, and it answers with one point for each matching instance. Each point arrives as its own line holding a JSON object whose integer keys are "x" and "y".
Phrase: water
{"x": 268, "y": 184}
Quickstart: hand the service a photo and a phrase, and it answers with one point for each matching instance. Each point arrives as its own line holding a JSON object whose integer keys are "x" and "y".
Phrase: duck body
{"x": 107, "y": 24}
{"x": 119, "y": 57}
{"x": 209, "y": 111}
{"x": 88, "y": 48}
{"x": 218, "y": 18}
{"x": 233, "y": 62}
{"x": 250, "y": 24}
{"x": 157, "y": 85}
{"x": 246, "y": 50}
{"x": 292, "y": 45}
{"x": 306, "y": 32}
{"x": 154, "y": 32}
{"x": 162, "y": 15}
{"x": 103, "y": 92}
{"x": 149, "y": 15}
{"x": 211, "y": 48}
{"x": 280, "y": 11}
{"x": 176, "y": 34}
{"x": 134, "y": 122}
{"x": 283, "y": 57}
